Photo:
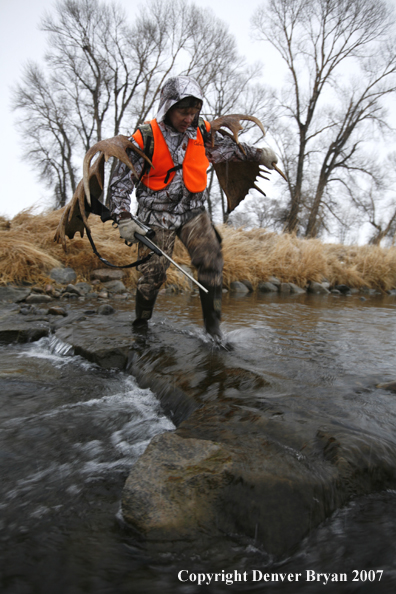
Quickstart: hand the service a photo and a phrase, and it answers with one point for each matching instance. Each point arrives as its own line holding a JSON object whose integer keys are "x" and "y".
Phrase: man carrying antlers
{"x": 171, "y": 194}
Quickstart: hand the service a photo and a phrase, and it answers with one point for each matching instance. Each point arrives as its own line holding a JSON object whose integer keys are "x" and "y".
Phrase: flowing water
{"x": 70, "y": 431}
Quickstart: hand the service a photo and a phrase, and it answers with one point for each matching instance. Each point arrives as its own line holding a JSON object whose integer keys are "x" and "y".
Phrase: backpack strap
{"x": 148, "y": 146}
{"x": 202, "y": 126}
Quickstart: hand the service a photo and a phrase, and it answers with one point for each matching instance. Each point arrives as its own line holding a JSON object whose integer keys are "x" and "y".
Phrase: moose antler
{"x": 75, "y": 216}
{"x": 237, "y": 179}
{"x": 232, "y": 122}
{"x": 112, "y": 147}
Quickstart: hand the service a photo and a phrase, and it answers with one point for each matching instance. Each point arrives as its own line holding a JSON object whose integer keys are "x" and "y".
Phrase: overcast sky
{"x": 21, "y": 40}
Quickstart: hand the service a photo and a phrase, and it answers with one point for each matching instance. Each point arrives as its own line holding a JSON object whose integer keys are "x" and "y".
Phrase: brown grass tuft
{"x": 23, "y": 261}
{"x": 28, "y": 253}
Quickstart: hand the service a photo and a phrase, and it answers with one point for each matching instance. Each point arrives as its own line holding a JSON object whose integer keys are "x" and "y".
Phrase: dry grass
{"x": 28, "y": 253}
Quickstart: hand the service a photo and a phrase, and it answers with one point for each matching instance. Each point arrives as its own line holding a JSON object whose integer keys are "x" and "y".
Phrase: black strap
{"x": 96, "y": 207}
{"x": 175, "y": 168}
{"x": 148, "y": 148}
{"x": 95, "y": 251}
{"x": 204, "y": 132}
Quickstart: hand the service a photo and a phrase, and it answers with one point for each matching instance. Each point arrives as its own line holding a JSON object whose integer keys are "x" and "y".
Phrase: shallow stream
{"x": 70, "y": 431}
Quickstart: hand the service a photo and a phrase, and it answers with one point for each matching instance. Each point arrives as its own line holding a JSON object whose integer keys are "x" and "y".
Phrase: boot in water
{"x": 144, "y": 310}
{"x": 211, "y": 309}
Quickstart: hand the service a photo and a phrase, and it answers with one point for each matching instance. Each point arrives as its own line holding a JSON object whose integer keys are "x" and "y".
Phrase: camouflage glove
{"x": 127, "y": 228}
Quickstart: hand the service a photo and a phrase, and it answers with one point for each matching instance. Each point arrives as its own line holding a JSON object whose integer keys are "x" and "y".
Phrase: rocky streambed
{"x": 273, "y": 433}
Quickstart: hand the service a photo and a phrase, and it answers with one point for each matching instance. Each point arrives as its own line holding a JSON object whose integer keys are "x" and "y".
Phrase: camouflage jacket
{"x": 174, "y": 205}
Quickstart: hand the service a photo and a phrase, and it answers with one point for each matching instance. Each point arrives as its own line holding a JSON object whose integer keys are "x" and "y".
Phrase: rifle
{"x": 96, "y": 207}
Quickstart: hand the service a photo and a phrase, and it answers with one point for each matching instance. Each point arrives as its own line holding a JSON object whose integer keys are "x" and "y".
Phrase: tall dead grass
{"x": 28, "y": 252}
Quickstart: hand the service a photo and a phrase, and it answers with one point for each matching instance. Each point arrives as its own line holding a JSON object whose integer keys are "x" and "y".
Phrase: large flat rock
{"x": 17, "y": 328}
{"x": 241, "y": 461}
{"x": 271, "y": 475}
{"x": 105, "y": 340}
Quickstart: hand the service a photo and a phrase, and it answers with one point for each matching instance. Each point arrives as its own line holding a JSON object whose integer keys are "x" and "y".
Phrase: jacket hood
{"x": 174, "y": 90}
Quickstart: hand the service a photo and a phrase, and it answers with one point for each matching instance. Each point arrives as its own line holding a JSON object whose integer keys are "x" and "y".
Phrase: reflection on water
{"x": 70, "y": 431}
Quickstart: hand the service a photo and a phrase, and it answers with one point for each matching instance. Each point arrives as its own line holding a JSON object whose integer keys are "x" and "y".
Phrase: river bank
{"x": 28, "y": 253}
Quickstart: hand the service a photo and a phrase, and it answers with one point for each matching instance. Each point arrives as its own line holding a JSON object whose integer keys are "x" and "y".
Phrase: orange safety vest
{"x": 195, "y": 162}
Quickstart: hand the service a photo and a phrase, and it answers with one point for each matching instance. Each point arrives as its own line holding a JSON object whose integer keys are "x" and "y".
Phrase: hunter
{"x": 171, "y": 196}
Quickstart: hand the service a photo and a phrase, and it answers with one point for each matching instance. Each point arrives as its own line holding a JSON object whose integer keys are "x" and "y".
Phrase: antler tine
{"x": 111, "y": 147}
{"x": 60, "y": 231}
{"x": 256, "y": 187}
{"x": 232, "y": 122}
{"x": 75, "y": 216}
{"x": 79, "y": 198}
{"x": 279, "y": 171}
{"x": 73, "y": 219}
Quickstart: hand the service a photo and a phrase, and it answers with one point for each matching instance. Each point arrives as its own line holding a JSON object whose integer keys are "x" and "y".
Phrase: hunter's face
{"x": 182, "y": 118}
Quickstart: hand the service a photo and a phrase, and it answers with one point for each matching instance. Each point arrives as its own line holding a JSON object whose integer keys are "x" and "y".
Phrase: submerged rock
{"x": 102, "y": 339}
{"x": 23, "y": 328}
{"x": 228, "y": 469}
{"x": 388, "y": 386}
{"x": 232, "y": 470}
{"x": 106, "y": 309}
{"x": 187, "y": 475}
{"x": 238, "y": 461}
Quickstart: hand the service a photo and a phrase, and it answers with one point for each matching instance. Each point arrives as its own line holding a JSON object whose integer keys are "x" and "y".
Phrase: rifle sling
{"x": 101, "y": 210}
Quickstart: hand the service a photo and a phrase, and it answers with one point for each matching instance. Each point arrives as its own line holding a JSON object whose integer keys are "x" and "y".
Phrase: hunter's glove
{"x": 267, "y": 158}
{"x": 127, "y": 228}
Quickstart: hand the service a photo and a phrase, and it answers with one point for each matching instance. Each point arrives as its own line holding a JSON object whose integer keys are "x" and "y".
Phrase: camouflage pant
{"x": 203, "y": 246}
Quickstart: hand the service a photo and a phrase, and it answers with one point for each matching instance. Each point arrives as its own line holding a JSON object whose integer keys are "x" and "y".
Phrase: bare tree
{"x": 103, "y": 76}
{"x": 49, "y": 137}
{"x": 341, "y": 64}
{"x": 258, "y": 213}
{"x": 380, "y": 214}
{"x": 263, "y": 212}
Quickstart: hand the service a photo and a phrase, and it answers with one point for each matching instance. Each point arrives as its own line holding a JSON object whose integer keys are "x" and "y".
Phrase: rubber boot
{"x": 211, "y": 309}
{"x": 144, "y": 310}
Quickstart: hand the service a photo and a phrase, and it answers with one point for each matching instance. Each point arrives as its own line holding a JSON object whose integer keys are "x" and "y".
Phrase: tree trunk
{"x": 291, "y": 225}
{"x": 376, "y": 240}
{"x": 312, "y": 225}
